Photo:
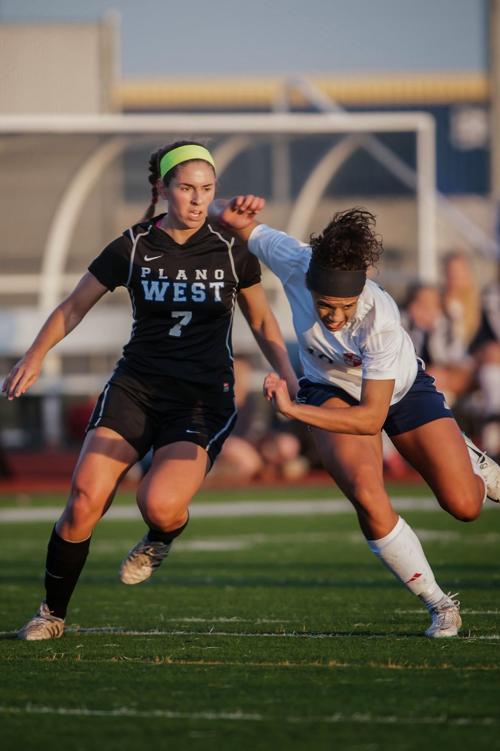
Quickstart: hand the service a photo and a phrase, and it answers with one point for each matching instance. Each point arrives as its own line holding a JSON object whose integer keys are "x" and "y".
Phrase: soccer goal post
{"x": 71, "y": 183}
{"x": 118, "y": 130}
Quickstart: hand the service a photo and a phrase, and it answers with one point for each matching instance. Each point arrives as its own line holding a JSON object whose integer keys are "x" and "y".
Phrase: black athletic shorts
{"x": 156, "y": 412}
{"x": 423, "y": 403}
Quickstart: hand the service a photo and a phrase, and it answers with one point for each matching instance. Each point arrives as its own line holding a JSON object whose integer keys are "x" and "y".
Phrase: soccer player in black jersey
{"x": 173, "y": 387}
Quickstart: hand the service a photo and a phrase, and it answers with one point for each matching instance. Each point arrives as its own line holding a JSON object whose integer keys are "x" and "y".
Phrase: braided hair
{"x": 154, "y": 172}
{"x": 349, "y": 242}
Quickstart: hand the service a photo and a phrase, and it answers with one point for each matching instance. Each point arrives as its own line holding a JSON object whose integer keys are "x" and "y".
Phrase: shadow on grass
{"x": 479, "y": 577}
{"x": 76, "y": 631}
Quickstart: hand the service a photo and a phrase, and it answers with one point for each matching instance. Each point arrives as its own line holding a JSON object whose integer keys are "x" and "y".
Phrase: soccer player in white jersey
{"x": 361, "y": 376}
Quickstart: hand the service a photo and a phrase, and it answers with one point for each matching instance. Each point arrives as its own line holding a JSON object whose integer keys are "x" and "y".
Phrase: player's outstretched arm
{"x": 265, "y": 328}
{"x": 237, "y": 213}
{"x": 366, "y": 418}
{"x": 61, "y": 321}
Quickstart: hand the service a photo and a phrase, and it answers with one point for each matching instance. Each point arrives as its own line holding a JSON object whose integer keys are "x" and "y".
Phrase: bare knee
{"x": 464, "y": 508}
{"x": 465, "y": 515}
{"x": 164, "y": 514}
{"x": 366, "y": 495}
{"x": 164, "y": 518}
{"x": 85, "y": 507}
{"x": 373, "y": 507}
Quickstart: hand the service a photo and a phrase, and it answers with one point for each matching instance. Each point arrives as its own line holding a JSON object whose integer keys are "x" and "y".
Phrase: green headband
{"x": 183, "y": 154}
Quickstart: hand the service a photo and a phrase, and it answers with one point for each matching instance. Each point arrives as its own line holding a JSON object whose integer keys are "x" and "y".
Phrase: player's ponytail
{"x": 153, "y": 177}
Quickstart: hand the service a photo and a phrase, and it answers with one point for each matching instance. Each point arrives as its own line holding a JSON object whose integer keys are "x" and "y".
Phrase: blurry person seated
{"x": 438, "y": 344}
{"x": 260, "y": 446}
{"x": 485, "y": 349}
{"x": 436, "y": 340}
{"x": 461, "y": 295}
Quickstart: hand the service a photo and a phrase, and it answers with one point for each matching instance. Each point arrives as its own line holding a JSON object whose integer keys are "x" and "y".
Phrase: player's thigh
{"x": 438, "y": 452}
{"x": 176, "y": 474}
{"x": 104, "y": 458}
{"x": 354, "y": 461}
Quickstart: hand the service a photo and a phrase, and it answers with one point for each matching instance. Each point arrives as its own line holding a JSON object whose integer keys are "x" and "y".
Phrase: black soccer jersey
{"x": 183, "y": 299}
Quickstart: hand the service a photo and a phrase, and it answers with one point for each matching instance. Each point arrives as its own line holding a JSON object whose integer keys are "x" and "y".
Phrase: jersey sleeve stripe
{"x": 229, "y": 246}
{"x": 135, "y": 240}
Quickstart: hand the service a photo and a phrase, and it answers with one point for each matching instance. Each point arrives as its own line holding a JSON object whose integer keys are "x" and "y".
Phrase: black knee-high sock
{"x": 65, "y": 561}
{"x": 157, "y": 536}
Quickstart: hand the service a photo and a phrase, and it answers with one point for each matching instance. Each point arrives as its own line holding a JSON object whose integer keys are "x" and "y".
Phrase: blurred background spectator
{"x": 262, "y": 446}
{"x": 485, "y": 349}
{"x": 462, "y": 296}
{"x": 437, "y": 340}
{"x": 456, "y": 332}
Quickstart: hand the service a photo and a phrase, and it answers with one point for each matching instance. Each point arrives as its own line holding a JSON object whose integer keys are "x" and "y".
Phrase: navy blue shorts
{"x": 422, "y": 404}
{"x": 152, "y": 415}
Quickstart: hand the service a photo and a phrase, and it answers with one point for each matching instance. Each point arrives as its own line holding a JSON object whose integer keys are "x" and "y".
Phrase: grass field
{"x": 260, "y": 631}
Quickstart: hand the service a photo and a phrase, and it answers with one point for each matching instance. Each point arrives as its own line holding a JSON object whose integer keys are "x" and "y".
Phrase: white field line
{"x": 252, "y": 541}
{"x": 121, "y": 631}
{"x": 241, "y": 716}
{"x": 240, "y": 542}
{"x": 248, "y": 542}
{"x": 201, "y": 511}
{"x": 241, "y": 634}
{"x": 231, "y": 619}
{"x": 463, "y": 611}
{"x": 231, "y": 509}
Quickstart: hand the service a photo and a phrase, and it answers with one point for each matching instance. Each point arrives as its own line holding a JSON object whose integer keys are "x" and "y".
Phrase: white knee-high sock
{"x": 402, "y": 553}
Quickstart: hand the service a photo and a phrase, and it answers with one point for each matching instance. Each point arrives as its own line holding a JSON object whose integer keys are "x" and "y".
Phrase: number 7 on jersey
{"x": 185, "y": 316}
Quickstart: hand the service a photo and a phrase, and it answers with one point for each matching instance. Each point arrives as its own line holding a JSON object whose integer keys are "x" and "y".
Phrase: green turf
{"x": 258, "y": 633}
{"x": 274, "y": 492}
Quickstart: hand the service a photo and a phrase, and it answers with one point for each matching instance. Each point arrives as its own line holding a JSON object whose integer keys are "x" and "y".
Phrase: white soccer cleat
{"x": 446, "y": 619}
{"x": 143, "y": 560}
{"x": 43, "y": 625}
{"x": 489, "y": 469}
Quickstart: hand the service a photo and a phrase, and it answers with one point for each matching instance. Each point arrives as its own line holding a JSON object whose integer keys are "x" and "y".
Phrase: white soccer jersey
{"x": 372, "y": 345}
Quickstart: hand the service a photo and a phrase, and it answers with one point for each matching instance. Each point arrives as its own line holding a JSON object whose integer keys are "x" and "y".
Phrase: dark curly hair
{"x": 154, "y": 172}
{"x": 349, "y": 242}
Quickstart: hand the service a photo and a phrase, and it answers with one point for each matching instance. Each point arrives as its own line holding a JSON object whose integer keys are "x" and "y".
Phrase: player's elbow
{"x": 369, "y": 430}
{"x": 371, "y": 424}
